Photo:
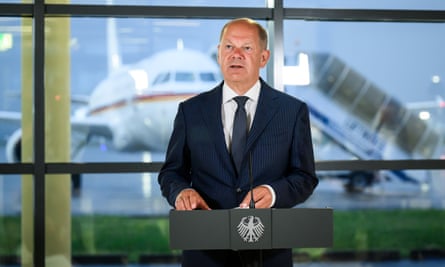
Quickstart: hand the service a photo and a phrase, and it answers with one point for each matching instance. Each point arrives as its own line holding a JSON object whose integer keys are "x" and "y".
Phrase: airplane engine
{"x": 14, "y": 147}
{"x": 14, "y": 155}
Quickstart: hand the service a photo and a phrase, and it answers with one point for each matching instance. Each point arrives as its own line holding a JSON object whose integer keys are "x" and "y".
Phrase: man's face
{"x": 240, "y": 55}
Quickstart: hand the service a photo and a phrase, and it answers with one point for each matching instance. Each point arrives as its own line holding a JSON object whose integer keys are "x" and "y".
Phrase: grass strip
{"x": 358, "y": 230}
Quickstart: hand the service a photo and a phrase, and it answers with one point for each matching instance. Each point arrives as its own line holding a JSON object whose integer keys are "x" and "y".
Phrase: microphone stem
{"x": 252, "y": 201}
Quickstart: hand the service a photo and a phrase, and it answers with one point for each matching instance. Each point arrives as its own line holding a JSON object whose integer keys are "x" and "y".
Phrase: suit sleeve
{"x": 300, "y": 179}
{"x": 175, "y": 173}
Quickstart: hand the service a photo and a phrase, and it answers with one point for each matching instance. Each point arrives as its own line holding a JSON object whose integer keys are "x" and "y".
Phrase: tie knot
{"x": 240, "y": 100}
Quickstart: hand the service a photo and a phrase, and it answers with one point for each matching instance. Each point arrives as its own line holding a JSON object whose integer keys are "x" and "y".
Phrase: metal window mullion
{"x": 39, "y": 133}
{"x": 157, "y": 11}
{"x": 276, "y": 46}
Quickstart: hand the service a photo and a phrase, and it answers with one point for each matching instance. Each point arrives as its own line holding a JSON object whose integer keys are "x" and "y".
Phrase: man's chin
{"x": 236, "y": 76}
{"x": 232, "y": 80}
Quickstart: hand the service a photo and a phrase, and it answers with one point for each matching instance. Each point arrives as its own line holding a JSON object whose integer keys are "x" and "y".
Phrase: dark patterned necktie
{"x": 239, "y": 134}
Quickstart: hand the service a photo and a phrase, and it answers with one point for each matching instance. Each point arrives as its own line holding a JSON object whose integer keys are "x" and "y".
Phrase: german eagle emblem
{"x": 250, "y": 229}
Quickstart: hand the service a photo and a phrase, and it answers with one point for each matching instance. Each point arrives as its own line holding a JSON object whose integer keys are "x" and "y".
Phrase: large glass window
{"x": 125, "y": 87}
{"x": 129, "y": 79}
{"x": 373, "y": 88}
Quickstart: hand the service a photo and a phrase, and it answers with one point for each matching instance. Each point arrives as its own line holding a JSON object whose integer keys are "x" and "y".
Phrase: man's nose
{"x": 237, "y": 53}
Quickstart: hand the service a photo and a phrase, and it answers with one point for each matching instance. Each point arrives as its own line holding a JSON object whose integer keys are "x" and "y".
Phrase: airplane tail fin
{"x": 114, "y": 56}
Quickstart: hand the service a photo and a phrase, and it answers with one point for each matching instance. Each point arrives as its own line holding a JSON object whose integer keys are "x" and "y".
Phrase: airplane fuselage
{"x": 137, "y": 104}
{"x": 143, "y": 122}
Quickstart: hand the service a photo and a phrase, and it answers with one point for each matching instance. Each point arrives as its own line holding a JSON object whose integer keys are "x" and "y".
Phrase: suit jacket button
{"x": 238, "y": 190}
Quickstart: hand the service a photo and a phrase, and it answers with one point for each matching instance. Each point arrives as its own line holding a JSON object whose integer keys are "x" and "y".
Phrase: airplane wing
{"x": 80, "y": 99}
{"x": 10, "y": 117}
{"x": 88, "y": 125}
{"x": 92, "y": 126}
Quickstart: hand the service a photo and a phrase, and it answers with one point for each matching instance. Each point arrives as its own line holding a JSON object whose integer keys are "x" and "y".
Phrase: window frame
{"x": 274, "y": 15}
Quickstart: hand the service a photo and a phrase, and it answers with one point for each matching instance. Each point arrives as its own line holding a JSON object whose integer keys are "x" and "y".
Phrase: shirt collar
{"x": 253, "y": 93}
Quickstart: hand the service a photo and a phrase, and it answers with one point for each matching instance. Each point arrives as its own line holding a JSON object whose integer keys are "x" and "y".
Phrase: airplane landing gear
{"x": 358, "y": 181}
{"x": 77, "y": 184}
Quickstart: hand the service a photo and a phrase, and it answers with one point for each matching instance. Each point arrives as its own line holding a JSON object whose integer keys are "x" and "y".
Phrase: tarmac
{"x": 139, "y": 194}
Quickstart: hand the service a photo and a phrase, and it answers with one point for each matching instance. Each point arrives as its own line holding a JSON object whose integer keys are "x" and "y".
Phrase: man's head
{"x": 242, "y": 52}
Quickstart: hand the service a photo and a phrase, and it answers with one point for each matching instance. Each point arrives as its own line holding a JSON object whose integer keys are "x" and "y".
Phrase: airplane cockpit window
{"x": 207, "y": 76}
{"x": 162, "y": 78}
{"x": 184, "y": 77}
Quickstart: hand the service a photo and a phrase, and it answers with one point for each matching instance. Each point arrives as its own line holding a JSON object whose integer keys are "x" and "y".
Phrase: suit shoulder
{"x": 280, "y": 95}
{"x": 201, "y": 97}
{"x": 287, "y": 99}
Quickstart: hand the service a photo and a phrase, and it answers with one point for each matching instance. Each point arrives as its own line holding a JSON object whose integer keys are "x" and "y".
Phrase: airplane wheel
{"x": 358, "y": 181}
{"x": 76, "y": 184}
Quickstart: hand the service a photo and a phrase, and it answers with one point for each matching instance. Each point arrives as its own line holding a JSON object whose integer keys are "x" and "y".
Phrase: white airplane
{"x": 135, "y": 106}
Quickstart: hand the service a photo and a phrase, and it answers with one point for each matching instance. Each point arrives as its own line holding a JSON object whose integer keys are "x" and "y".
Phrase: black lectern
{"x": 247, "y": 229}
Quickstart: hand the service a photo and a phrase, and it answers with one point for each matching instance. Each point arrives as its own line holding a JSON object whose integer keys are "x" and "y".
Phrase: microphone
{"x": 254, "y": 257}
{"x": 252, "y": 201}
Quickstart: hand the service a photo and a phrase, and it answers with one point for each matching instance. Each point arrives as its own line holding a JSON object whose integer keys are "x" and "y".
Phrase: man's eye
{"x": 248, "y": 48}
{"x": 228, "y": 47}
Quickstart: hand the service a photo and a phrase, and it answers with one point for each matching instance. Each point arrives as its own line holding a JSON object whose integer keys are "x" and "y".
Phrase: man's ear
{"x": 217, "y": 55}
{"x": 265, "y": 55}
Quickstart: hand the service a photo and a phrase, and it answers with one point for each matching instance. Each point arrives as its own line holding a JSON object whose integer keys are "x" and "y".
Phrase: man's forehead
{"x": 242, "y": 40}
{"x": 235, "y": 35}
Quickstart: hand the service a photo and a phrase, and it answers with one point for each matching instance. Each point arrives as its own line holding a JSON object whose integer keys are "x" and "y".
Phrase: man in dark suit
{"x": 200, "y": 171}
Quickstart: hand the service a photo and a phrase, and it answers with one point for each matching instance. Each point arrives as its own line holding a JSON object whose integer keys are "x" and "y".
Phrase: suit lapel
{"x": 266, "y": 109}
{"x": 211, "y": 112}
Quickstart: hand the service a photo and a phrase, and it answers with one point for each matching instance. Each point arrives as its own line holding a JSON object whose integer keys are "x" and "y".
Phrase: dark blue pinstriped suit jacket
{"x": 279, "y": 142}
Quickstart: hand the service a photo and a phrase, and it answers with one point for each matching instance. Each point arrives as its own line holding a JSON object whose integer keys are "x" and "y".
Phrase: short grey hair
{"x": 262, "y": 33}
